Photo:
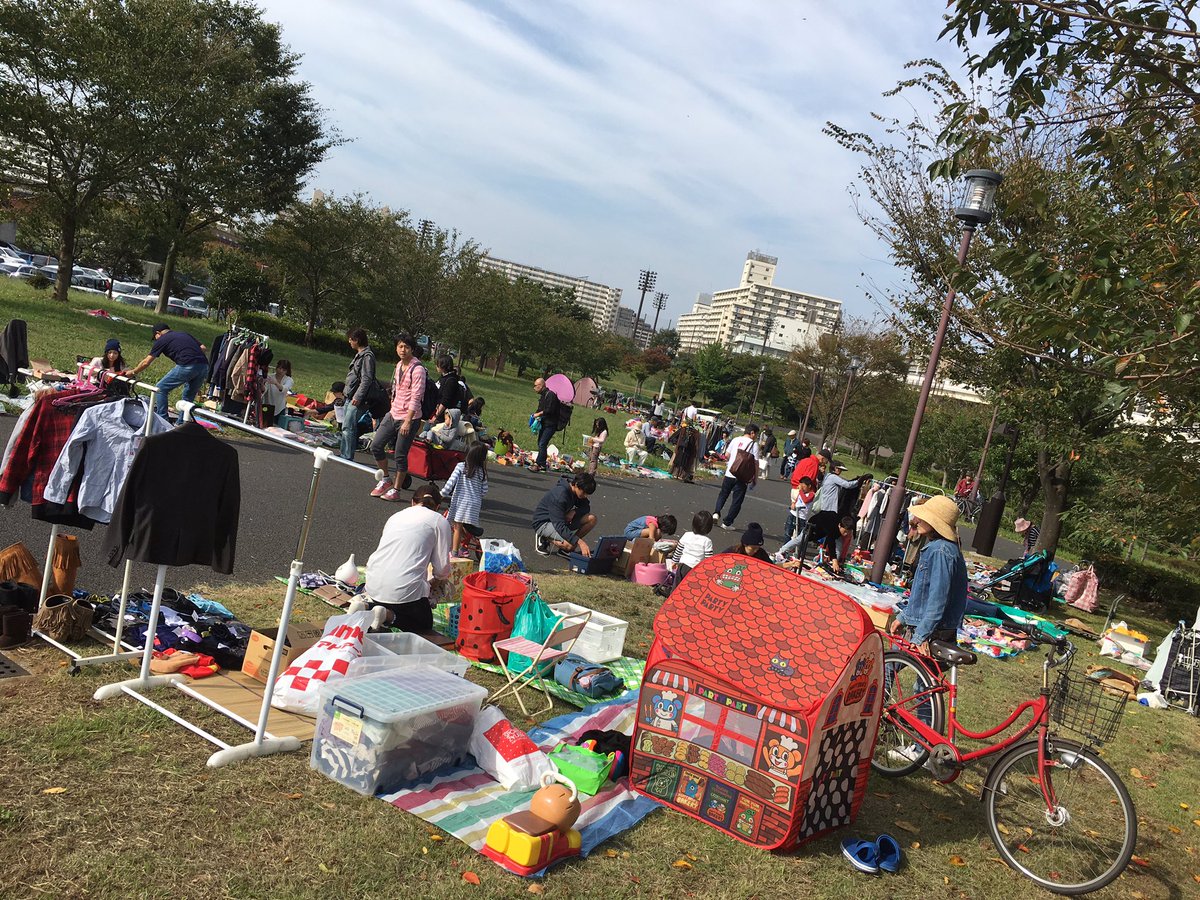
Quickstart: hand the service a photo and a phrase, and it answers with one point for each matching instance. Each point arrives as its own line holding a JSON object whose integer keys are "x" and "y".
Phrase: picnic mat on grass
{"x": 464, "y": 800}
{"x": 628, "y": 669}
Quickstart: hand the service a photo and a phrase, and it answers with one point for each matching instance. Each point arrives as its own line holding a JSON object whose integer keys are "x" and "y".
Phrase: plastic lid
{"x": 400, "y": 693}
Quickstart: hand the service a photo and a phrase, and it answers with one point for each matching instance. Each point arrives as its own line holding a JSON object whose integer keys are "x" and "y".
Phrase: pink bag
{"x": 1082, "y": 589}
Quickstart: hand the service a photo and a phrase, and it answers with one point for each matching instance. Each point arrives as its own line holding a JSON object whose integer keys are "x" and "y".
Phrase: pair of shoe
{"x": 542, "y": 546}
{"x": 15, "y": 627}
{"x": 873, "y": 857}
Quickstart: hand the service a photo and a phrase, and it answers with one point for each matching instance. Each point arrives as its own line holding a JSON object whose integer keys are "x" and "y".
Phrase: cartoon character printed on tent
{"x": 783, "y": 757}
{"x": 665, "y": 712}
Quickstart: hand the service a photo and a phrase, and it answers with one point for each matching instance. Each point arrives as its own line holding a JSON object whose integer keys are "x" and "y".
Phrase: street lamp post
{"x": 855, "y": 365}
{"x": 976, "y": 209}
{"x": 762, "y": 370}
{"x": 646, "y": 280}
{"x": 812, "y": 395}
{"x": 660, "y": 303}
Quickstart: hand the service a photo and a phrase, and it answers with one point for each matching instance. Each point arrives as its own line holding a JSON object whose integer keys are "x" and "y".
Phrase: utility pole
{"x": 660, "y": 303}
{"x": 646, "y": 280}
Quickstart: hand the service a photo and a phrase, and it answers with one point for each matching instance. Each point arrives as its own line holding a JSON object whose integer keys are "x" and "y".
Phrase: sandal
{"x": 862, "y": 855}
{"x": 887, "y": 853}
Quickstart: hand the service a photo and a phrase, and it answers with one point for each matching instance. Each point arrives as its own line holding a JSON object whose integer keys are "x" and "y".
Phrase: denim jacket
{"x": 939, "y": 591}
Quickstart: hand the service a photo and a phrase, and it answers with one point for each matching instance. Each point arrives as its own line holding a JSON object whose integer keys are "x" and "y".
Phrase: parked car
{"x": 7, "y": 249}
{"x": 135, "y": 294}
{"x": 197, "y": 307}
{"x": 24, "y": 271}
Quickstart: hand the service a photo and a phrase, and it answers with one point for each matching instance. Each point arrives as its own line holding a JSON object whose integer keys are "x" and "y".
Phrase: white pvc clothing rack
{"x": 263, "y": 744}
{"x": 118, "y": 654}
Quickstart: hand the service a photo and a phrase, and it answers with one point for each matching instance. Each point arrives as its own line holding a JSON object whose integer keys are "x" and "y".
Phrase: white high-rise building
{"x": 600, "y": 300}
{"x": 757, "y": 316}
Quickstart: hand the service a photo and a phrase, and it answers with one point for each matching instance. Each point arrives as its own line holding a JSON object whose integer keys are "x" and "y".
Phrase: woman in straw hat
{"x": 939, "y": 590}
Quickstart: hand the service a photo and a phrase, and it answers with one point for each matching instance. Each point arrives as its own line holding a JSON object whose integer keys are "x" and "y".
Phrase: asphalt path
{"x": 274, "y": 486}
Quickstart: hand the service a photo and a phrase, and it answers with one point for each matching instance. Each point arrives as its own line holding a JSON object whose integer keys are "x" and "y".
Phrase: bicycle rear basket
{"x": 1087, "y": 707}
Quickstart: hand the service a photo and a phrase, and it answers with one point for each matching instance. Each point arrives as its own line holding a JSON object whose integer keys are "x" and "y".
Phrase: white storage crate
{"x": 603, "y": 638}
{"x": 376, "y": 732}
{"x": 400, "y": 649}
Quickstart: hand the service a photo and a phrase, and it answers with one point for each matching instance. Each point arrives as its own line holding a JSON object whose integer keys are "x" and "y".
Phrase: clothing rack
{"x": 117, "y": 653}
{"x": 263, "y": 743}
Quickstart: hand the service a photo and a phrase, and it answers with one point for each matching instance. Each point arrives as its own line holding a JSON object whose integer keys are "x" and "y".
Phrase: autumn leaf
{"x": 1136, "y": 772}
{"x": 1139, "y": 860}
{"x": 436, "y": 837}
{"x": 323, "y": 867}
{"x": 536, "y": 889}
{"x": 907, "y": 826}
{"x": 55, "y": 790}
{"x": 1002, "y": 828}
{"x": 957, "y": 861}
{"x": 611, "y": 854}
{"x": 681, "y": 864}
{"x": 1184, "y": 806}
{"x": 425, "y": 850}
{"x": 1196, "y": 878}
{"x": 1174, "y": 829}
{"x": 294, "y": 796}
{"x": 470, "y": 878}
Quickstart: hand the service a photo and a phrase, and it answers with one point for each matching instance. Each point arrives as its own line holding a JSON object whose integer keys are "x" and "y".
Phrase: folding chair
{"x": 557, "y": 645}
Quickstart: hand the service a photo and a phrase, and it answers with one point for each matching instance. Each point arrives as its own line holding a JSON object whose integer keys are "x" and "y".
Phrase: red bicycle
{"x": 1056, "y": 811}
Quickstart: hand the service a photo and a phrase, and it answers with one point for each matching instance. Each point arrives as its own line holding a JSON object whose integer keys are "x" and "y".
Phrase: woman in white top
{"x": 634, "y": 444}
{"x": 732, "y": 486}
{"x": 594, "y": 442}
{"x": 278, "y": 386}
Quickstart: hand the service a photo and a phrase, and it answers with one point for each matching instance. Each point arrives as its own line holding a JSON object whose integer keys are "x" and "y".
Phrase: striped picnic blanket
{"x": 464, "y": 801}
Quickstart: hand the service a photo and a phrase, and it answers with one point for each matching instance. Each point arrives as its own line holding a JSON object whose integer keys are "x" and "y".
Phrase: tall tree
{"x": 86, "y": 88}
{"x": 245, "y": 140}
{"x": 319, "y": 251}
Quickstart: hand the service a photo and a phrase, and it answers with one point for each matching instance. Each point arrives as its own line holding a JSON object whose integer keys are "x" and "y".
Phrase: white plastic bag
{"x": 507, "y": 753}
{"x": 296, "y": 690}
{"x": 500, "y": 556}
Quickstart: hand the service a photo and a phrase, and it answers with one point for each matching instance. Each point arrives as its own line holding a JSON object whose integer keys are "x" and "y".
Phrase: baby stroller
{"x": 1025, "y": 583}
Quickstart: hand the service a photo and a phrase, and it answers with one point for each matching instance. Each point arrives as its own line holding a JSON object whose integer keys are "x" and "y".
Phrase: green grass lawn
{"x": 110, "y": 800}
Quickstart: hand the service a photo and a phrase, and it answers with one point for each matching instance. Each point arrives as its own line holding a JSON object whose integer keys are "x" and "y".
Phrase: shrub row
{"x": 293, "y": 332}
{"x": 1176, "y": 590}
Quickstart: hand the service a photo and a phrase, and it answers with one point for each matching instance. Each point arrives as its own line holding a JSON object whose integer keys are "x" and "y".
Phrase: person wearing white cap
{"x": 938, "y": 597}
{"x": 789, "y": 457}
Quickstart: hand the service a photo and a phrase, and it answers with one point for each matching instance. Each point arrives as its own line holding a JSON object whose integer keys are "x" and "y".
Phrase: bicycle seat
{"x": 951, "y": 653}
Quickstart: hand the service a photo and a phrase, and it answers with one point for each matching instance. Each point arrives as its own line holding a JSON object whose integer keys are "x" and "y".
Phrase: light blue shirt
{"x": 938, "y": 597}
{"x": 827, "y": 493}
{"x": 111, "y": 434}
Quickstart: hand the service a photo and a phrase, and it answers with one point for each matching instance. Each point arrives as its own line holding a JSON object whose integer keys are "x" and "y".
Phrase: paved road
{"x": 275, "y": 481}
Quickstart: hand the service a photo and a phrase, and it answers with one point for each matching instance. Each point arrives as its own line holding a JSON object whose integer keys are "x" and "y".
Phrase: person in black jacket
{"x": 548, "y": 410}
{"x": 360, "y": 385}
{"x": 452, "y": 389}
{"x": 564, "y": 515}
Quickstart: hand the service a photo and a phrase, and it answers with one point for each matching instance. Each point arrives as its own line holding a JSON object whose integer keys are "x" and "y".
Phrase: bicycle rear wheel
{"x": 1080, "y": 846}
{"x": 896, "y": 753}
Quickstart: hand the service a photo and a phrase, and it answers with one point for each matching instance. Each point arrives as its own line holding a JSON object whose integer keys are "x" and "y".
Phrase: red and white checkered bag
{"x": 297, "y": 689}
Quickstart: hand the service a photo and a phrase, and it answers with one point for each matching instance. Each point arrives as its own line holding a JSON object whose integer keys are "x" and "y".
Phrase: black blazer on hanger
{"x": 180, "y": 502}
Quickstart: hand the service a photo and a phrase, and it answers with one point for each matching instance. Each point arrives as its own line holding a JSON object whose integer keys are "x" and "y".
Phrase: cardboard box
{"x": 639, "y": 552}
{"x": 239, "y": 695}
{"x": 621, "y": 563}
{"x": 451, "y": 590}
{"x": 300, "y": 636}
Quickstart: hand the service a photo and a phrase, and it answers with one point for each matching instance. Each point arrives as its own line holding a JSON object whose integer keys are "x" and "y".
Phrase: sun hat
{"x": 753, "y": 535}
{"x": 792, "y": 433}
{"x": 112, "y": 344}
{"x": 940, "y": 512}
{"x": 1021, "y": 526}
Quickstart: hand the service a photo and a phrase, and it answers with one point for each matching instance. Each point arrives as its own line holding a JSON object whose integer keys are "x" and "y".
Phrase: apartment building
{"x": 600, "y": 300}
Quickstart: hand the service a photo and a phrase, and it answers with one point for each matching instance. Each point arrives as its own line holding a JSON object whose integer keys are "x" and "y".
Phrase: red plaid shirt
{"x": 36, "y": 449}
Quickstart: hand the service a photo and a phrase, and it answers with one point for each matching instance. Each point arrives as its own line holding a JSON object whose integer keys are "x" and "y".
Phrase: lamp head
{"x": 979, "y": 200}
{"x": 855, "y": 364}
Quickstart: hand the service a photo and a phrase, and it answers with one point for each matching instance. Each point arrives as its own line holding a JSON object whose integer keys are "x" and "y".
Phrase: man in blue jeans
{"x": 191, "y": 365}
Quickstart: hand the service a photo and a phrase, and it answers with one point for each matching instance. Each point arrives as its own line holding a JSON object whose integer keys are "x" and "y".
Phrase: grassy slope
{"x": 137, "y": 792}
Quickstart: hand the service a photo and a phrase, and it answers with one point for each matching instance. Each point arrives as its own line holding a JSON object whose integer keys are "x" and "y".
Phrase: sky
{"x": 597, "y": 138}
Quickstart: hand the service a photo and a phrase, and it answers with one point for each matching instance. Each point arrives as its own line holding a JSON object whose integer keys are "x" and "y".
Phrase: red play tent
{"x": 760, "y": 703}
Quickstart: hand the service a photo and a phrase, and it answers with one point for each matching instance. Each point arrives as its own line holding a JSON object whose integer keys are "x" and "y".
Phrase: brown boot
{"x": 66, "y": 563}
{"x": 15, "y": 629}
{"x": 18, "y": 564}
{"x": 64, "y": 618}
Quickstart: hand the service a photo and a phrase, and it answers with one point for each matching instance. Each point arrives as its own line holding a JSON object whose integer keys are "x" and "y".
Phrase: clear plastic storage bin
{"x": 376, "y": 732}
{"x": 603, "y": 638}
{"x": 400, "y": 650}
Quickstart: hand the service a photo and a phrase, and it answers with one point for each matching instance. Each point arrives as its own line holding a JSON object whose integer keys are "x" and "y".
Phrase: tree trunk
{"x": 1027, "y": 497}
{"x": 1055, "y": 477}
{"x": 168, "y": 276}
{"x": 66, "y": 258}
{"x": 313, "y": 309}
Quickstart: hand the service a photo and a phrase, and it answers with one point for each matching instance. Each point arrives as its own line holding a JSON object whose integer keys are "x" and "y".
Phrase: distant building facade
{"x": 624, "y": 327}
{"x": 600, "y": 300}
{"x": 757, "y": 316}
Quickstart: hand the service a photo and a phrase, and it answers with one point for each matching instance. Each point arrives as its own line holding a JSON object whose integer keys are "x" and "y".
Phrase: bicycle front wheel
{"x": 896, "y": 753}
{"x": 1080, "y": 845}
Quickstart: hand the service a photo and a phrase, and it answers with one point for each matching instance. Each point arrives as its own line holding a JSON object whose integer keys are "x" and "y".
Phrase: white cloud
{"x": 600, "y": 138}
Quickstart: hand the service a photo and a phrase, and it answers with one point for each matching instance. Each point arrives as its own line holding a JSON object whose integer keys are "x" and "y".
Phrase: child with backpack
{"x": 466, "y": 488}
